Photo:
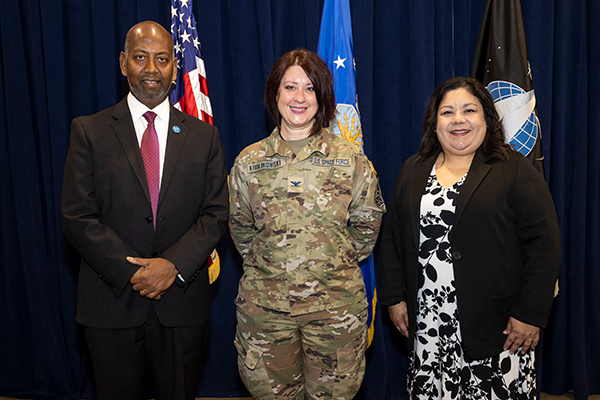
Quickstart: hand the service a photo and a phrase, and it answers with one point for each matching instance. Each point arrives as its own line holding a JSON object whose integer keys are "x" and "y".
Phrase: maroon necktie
{"x": 151, "y": 156}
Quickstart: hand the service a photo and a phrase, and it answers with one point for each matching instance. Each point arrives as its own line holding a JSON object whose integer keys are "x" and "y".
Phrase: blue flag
{"x": 336, "y": 48}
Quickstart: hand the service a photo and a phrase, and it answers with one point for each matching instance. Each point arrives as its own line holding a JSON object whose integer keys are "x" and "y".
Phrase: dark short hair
{"x": 320, "y": 76}
{"x": 493, "y": 145}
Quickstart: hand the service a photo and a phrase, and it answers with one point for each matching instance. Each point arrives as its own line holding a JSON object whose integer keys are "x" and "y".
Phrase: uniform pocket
{"x": 249, "y": 354}
{"x": 352, "y": 353}
{"x": 263, "y": 197}
{"x": 251, "y": 368}
{"x": 350, "y": 367}
{"x": 333, "y": 195}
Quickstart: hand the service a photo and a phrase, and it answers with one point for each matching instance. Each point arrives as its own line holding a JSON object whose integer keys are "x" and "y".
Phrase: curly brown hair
{"x": 493, "y": 145}
{"x": 320, "y": 76}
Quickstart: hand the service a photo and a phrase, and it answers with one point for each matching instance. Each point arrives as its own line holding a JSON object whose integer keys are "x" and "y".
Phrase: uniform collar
{"x": 320, "y": 143}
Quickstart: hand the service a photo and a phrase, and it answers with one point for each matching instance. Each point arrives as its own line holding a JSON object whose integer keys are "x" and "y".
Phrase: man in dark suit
{"x": 144, "y": 202}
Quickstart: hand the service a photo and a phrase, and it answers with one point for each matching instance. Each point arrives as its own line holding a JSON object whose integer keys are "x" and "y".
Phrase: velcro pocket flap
{"x": 250, "y": 355}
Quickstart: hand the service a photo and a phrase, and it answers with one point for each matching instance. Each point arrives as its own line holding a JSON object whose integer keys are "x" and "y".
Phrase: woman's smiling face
{"x": 461, "y": 125}
{"x": 296, "y": 102}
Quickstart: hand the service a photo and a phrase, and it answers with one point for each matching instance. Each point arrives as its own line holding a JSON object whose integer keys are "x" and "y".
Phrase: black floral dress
{"x": 439, "y": 368}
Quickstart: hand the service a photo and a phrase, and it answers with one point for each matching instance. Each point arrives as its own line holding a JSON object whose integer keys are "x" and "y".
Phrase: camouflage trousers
{"x": 319, "y": 355}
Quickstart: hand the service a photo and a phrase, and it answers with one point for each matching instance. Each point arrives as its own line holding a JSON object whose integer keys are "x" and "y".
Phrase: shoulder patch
{"x": 378, "y": 198}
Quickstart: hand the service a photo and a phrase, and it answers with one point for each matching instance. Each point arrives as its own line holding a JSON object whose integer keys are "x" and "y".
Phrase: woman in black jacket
{"x": 470, "y": 253}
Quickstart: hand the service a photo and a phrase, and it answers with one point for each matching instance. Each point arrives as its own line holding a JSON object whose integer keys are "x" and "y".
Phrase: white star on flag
{"x": 339, "y": 62}
{"x": 185, "y": 37}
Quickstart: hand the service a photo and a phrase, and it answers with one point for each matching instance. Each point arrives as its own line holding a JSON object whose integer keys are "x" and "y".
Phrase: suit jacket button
{"x": 148, "y": 220}
{"x": 154, "y": 254}
{"x": 456, "y": 255}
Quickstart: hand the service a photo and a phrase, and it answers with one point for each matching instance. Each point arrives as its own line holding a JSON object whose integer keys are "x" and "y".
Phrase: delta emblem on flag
{"x": 190, "y": 94}
{"x": 501, "y": 63}
{"x": 336, "y": 48}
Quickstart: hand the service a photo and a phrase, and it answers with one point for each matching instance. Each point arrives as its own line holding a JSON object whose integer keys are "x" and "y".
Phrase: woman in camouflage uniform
{"x": 305, "y": 209}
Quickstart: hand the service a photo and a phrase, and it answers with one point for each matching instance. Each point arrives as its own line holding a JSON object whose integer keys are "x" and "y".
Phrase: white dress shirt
{"x": 161, "y": 123}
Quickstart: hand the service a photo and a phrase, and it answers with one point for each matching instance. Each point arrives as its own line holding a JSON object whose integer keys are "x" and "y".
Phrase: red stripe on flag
{"x": 203, "y": 85}
{"x": 207, "y": 117}
{"x": 188, "y": 100}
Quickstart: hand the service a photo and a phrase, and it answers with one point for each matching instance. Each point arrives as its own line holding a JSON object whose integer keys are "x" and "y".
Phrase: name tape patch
{"x": 264, "y": 165}
{"x": 334, "y": 162}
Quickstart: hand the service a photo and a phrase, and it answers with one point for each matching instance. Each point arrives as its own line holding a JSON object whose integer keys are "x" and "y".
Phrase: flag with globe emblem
{"x": 501, "y": 63}
{"x": 190, "y": 93}
{"x": 336, "y": 48}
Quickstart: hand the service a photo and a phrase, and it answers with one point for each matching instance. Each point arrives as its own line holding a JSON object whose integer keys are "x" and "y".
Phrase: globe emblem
{"x": 517, "y": 112}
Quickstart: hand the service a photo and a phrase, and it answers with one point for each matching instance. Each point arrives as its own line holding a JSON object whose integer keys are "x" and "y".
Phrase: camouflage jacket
{"x": 302, "y": 223}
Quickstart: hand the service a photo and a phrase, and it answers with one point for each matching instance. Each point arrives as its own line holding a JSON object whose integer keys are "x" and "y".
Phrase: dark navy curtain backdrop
{"x": 59, "y": 60}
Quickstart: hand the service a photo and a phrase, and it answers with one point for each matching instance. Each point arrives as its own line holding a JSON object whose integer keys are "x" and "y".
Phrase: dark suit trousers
{"x": 128, "y": 361}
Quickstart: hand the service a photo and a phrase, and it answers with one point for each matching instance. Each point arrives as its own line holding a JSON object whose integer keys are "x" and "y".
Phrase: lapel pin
{"x": 176, "y": 129}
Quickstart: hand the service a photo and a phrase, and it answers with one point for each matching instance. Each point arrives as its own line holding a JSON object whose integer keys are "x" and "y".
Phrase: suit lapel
{"x": 176, "y": 134}
{"x": 478, "y": 170}
{"x": 125, "y": 130}
{"x": 419, "y": 181}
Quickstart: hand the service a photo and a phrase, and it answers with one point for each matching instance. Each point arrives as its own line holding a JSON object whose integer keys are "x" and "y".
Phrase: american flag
{"x": 191, "y": 92}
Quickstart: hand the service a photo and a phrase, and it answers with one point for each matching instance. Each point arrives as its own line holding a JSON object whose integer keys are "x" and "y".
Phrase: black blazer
{"x": 107, "y": 216}
{"x": 505, "y": 248}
